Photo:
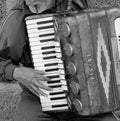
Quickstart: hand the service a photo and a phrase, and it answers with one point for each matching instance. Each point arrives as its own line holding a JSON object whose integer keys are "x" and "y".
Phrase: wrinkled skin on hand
{"x": 33, "y": 79}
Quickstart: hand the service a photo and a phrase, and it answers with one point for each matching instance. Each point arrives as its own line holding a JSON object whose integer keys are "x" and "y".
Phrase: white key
{"x": 60, "y": 66}
{"x": 44, "y": 52}
{"x": 37, "y": 57}
{"x": 44, "y": 57}
{"x": 64, "y": 82}
{"x": 54, "y": 103}
{"x": 62, "y": 77}
{"x": 55, "y": 90}
{"x": 51, "y": 60}
{"x": 40, "y": 32}
{"x": 41, "y": 44}
{"x": 50, "y": 102}
{"x": 54, "y": 79}
{"x": 54, "y": 109}
{"x": 58, "y": 55}
{"x": 65, "y": 87}
{"x": 33, "y": 35}
{"x": 35, "y": 44}
{"x": 52, "y": 96}
{"x": 58, "y": 50}
{"x": 36, "y": 52}
{"x": 46, "y": 68}
{"x": 31, "y": 26}
{"x": 42, "y": 38}
{"x": 48, "y": 62}
{"x": 34, "y": 21}
{"x": 59, "y": 89}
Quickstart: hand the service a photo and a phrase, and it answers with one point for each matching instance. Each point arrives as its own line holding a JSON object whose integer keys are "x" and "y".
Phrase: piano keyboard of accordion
{"x": 46, "y": 54}
{"x": 80, "y": 53}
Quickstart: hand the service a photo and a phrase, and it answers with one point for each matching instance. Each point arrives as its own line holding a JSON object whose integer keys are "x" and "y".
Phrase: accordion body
{"x": 87, "y": 54}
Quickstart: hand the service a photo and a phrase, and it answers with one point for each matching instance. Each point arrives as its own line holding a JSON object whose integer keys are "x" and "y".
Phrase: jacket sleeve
{"x": 12, "y": 42}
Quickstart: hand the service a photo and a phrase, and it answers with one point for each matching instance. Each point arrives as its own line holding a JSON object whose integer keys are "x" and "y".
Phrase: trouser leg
{"x": 102, "y": 117}
{"x": 29, "y": 109}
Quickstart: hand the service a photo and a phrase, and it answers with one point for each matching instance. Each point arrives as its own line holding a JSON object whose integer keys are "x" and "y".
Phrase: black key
{"x": 49, "y": 52}
{"x": 55, "y": 69}
{"x": 51, "y": 64}
{"x": 45, "y": 27}
{"x": 58, "y": 98}
{"x": 57, "y": 93}
{"x": 55, "y": 86}
{"x": 51, "y": 57}
{"x": 48, "y": 47}
{"x": 44, "y": 35}
{"x": 44, "y": 22}
{"x": 47, "y": 40}
{"x": 56, "y": 76}
{"x": 52, "y": 82}
{"x": 62, "y": 105}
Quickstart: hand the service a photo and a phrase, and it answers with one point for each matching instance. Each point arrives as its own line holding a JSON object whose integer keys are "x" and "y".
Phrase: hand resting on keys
{"x": 32, "y": 79}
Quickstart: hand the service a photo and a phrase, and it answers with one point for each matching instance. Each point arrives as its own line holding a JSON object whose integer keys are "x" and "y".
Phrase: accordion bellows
{"x": 89, "y": 43}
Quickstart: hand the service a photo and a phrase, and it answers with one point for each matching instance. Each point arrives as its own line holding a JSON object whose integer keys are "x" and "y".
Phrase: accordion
{"x": 80, "y": 54}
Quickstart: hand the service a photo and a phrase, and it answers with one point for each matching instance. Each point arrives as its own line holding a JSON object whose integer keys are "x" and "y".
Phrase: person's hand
{"x": 32, "y": 79}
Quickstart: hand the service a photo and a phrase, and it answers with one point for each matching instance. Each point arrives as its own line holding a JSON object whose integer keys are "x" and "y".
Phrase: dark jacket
{"x": 13, "y": 43}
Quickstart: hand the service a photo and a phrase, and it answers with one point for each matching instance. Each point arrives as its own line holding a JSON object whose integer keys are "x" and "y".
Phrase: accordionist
{"x": 16, "y": 65}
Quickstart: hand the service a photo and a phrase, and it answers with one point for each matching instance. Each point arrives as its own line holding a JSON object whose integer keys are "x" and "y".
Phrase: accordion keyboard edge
{"x": 46, "y": 55}
{"x": 79, "y": 53}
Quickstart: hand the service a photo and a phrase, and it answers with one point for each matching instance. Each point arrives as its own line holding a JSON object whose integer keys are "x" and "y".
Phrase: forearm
{"x": 6, "y": 70}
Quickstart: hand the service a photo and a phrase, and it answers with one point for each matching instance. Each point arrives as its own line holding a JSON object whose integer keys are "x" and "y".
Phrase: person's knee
{"x": 29, "y": 109}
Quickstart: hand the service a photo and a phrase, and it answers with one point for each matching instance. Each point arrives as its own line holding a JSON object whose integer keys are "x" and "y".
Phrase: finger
{"x": 39, "y": 84}
{"x": 42, "y": 78}
{"x": 33, "y": 91}
{"x": 39, "y": 92}
{"x": 42, "y": 86}
{"x": 40, "y": 71}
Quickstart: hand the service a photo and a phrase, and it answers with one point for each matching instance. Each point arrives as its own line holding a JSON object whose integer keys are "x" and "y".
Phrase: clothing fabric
{"x": 14, "y": 51}
{"x": 30, "y": 110}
